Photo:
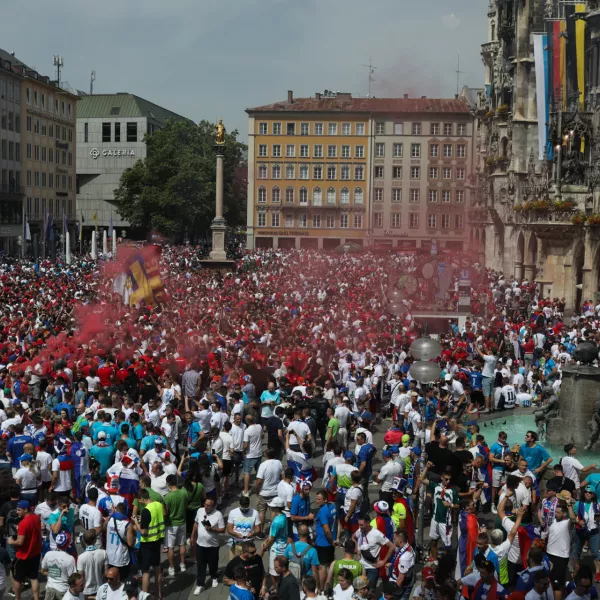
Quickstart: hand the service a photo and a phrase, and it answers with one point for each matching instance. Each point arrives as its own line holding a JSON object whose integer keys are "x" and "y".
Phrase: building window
{"x": 51, "y": 155}
{"x": 318, "y": 151}
{"x": 316, "y": 221}
{"x": 43, "y": 152}
{"x": 431, "y": 221}
{"x": 291, "y": 129}
{"x": 359, "y": 152}
{"x": 398, "y": 150}
{"x": 434, "y": 150}
{"x": 288, "y": 220}
{"x": 275, "y": 219}
{"x": 344, "y": 196}
{"x": 317, "y": 197}
{"x": 413, "y": 221}
{"x": 344, "y": 221}
{"x": 445, "y": 221}
{"x": 331, "y": 196}
{"x": 379, "y": 150}
{"x": 360, "y": 129}
{"x": 28, "y": 151}
{"x": 331, "y": 171}
{"x": 290, "y": 172}
{"x": 51, "y": 180}
{"x": 433, "y": 172}
{"x": 415, "y": 150}
{"x": 448, "y": 128}
{"x": 290, "y": 151}
{"x": 346, "y": 128}
{"x": 302, "y": 221}
{"x": 378, "y": 220}
{"x": 277, "y": 150}
{"x": 462, "y": 129}
{"x": 416, "y": 128}
{"x": 358, "y": 196}
{"x": 262, "y": 219}
{"x": 396, "y": 172}
{"x": 263, "y": 128}
{"x": 262, "y": 171}
{"x": 345, "y": 151}
{"x": 461, "y": 151}
{"x": 43, "y": 179}
{"x": 447, "y": 173}
{"x": 85, "y": 132}
{"x": 460, "y": 174}
{"x": 396, "y": 194}
{"x": 359, "y": 172}
{"x": 262, "y": 149}
{"x": 332, "y": 129}
{"x": 330, "y": 221}
{"x": 378, "y": 195}
{"x": 380, "y": 128}
{"x": 415, "y": 172}
{"x": 303, "y": 195}
{"x": 415, "y": 195}
{"x": 447, "y": 150}
{"x": 262, "y": 194}
{"x": 28, "y": 95}
{"x": 17, "y": 123}
{"x": 276, "y": 128}
{"x": 398, "y": 128}
{"x": 446, "y": 196}
{"x": 460, "y": 196}
{"x": 331, "y": 151}
{"x": 17, "y": 151}
{"x": 132, "y": 132}
{"x": 378, "y": 172}
{"x": 459, "y": 221}
{"x": 276, "y": 172}
{"x": 396, "y": 220}
{"x": 358, "y": 220}
{"x": 289, "y": 195}
{"x": 304, "y": 128}
{"x": 317, "y": 172}
{"x": 318, "y": 128}
{"x": 276, "y": 195}
{"x": 435, "y": 129}
{"x": 433, "y": 196}
{"x": 345, "y": 172}
{"x": 304, "y": 171}
{"x": 36, "y": 154}
{"x": 304, "y": 151}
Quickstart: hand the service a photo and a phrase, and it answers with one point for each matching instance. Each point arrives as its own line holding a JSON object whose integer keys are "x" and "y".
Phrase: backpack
{"x": 296, "y": 564}
{"x": 12, "y": 523}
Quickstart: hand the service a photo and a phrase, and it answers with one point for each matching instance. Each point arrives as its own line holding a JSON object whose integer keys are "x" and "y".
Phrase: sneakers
{"x": 215, "y": 582}
{"x": 246, "y": 494}
{"x": 182, "y": 568}
{"x": 171, "y": 572}
{"x": 494, "y": 509}
{"x": 199, "y": 589}
{"x": 597, "y": 578}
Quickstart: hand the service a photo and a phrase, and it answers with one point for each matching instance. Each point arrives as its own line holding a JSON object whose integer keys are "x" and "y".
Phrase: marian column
{"x": 219, "y": 225}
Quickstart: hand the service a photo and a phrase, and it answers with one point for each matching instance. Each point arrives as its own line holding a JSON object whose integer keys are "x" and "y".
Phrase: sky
{"x": 209, "y": 59}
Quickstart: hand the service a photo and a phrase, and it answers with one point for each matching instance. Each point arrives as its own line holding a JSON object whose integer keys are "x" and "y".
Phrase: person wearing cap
{"x": 112, "y": 498}
{"x": 28, "y": 477}
{"x": 587, "y": 511}
{"x": 278, "y": 535}
{"x": 103, "y": 452}
{"x": 573, "y": 469}
{"x": 496, "y": 457}
{"x": 153, "y": 455}
{"x": 58, "y": 566}
{"x": 361, "y": 587}
{"x": 385, "y": 477}
{"x": 565, "y": 484}
{"x": 28, "y": 544}
{"x": 428, "y": 588}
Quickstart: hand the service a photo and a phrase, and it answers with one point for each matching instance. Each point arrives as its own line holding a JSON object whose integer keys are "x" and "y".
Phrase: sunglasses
{"x": 111, "y": 578}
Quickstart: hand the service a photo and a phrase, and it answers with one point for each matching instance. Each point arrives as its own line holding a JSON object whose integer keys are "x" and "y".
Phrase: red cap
{"x": 427, "y": 573}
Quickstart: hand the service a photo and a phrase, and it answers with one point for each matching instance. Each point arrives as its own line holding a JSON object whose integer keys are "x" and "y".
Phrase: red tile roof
{"x": 346, "y": 103}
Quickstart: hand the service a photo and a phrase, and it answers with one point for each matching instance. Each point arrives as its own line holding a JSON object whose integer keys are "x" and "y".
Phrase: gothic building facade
{"x": 536, "y": 213}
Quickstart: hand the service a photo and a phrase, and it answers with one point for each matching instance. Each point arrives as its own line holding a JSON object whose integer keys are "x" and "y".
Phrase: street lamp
{"x": 425, "y": 371}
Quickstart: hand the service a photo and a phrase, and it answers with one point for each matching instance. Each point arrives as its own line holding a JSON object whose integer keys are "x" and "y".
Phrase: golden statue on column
{"x": 220, "y": 131}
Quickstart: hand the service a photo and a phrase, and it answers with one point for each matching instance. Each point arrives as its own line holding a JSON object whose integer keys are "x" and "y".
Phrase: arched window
{"x": 262, "y": 194}
{"x": 276, "y": 195}
{"x": 317, "y": 197}
{"x": 345, "y": 196}
{"x": 358, "y": 195}
{"x": 331, "y": 196}
{"x": 289, "y": 195}
{"x": 303, "y": 195}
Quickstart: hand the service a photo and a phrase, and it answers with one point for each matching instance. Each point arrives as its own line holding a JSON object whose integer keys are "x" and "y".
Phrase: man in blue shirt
{"x": 365, "y": 457}
{"x": 268, "y": 399}
{"x": 104, "y": 453}
{"x": 300, "y": 509}
{"x": 16, "y": 444}
{"x": 194, "y": 429}
{"x": 325, "y": 533}
{"x": 537, "y": 457}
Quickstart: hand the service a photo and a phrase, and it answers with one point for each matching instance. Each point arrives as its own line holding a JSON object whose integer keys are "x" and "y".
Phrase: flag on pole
{"x": 110, "y": 226}
{"x": 50, "y": 228}
{"x": 64, "y": 221}
{"x": 27, "y": 232}
{"x": 95, "y": 219}
{"x": 81, "y": 222}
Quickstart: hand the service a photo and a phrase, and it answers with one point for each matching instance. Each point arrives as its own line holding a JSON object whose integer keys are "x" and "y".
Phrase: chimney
{"x": 406, "y": 96}
{"x": 318, "y": 95}
{"x": 423, "y": 97}
{"x": 456, "y": 96}
{"x": 290, "y": 97}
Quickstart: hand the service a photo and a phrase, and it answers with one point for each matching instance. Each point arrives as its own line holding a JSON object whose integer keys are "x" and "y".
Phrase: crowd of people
{"x": 272, "y": 408}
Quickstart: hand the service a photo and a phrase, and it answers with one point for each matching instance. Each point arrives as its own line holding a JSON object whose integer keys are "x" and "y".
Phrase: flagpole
{"x": 44, "y": 231}
{"x": 64, "y": 234}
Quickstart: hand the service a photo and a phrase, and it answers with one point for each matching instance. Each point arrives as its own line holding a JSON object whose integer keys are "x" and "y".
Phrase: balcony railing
{"x": 11, "y": 189}
{"x": 546, "y": 217}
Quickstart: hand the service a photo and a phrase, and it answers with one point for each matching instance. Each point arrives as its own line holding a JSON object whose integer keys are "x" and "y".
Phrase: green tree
{"x": 173, "y": 189}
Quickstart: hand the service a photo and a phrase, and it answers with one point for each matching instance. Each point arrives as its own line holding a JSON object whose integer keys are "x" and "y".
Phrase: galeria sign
{"x": 95, "y": 153}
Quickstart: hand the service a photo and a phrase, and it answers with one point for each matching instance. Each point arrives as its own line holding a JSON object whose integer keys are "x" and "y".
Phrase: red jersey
{"x": 31, "y": 529}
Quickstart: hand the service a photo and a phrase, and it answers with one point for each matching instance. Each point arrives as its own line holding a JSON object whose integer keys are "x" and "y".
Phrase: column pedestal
{"x": 518, "y": 271}
{"x": 529, "y": 272}
{"x": 94, "y": 249}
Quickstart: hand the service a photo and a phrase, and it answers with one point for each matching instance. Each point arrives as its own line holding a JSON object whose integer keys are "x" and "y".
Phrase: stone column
{"x": 68, "y": 248}
{"x": 104, "y": 242}
{"x": 518, "y": 271}
{"x": 114, "y": 243}
{"x": 529, "y": 272}
{"x": 94, "y": 253}
{"x": 219, "y": 225}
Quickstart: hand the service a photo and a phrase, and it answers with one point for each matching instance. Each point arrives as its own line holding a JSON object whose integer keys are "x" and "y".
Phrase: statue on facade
{"x": 547, "y": 412}
{"x": 220, "y": 132}
{"x": 573, "y": 169}
{"x": 594, "y": 426}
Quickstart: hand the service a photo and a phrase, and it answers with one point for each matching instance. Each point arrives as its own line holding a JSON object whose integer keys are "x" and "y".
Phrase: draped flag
{"x": 140, "y": 281}
{"x": 540, "y": 52}
{"x": 468, "y": 530}
{"x": 526, "y": 535}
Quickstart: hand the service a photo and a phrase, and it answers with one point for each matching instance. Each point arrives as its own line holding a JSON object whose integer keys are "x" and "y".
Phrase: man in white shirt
{"x": 487, "y": 384}
{"x": 369, "y": 542}
{"x": 342, "y": 414}
{"x": 297, "y": 432}
{"x": 114, "y": 588}
{"x": 559, "y": 543}
{"x": 386, "y": 475}
{"x": 243, "y": 524}
{"x": 572, "y": 468}
{"x": 209, "y": 523}
{"x": 267, "y": 481}
{"x": 252, "y": 449}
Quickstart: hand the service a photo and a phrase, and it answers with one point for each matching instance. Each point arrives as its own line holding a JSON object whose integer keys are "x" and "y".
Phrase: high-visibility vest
{"x": 156, "y": 529}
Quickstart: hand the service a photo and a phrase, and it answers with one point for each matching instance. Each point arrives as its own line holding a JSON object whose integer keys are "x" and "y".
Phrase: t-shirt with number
{"x": 60, "y": 566}
{"x": 441, "y": 495}
{"x": 510, "y": 397}
{"x": 90, "y": 517}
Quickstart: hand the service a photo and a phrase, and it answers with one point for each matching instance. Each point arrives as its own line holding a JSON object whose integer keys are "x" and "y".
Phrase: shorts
{"x": 326, "y": 554}
{"x": 342, "y": 437}
{"x": 227, "y": 467}
{"x": 441, "y": 531}
{"x": 498, "y": 478}
{"x": 559, "y": 572}
{"x": 26, "y": 568}
{"x": 251, "y": 463}
{"x": 52, "y": 594}
{"x": 487, "y": 384}
{"x": 272, "y": 556}
{"x": 261, "y": 503}
{"x": 149, "y": 555}
{"x": 175, "y": 536}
